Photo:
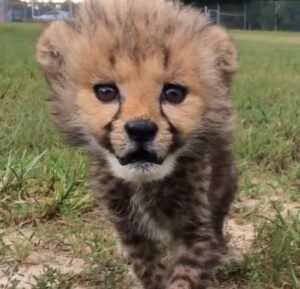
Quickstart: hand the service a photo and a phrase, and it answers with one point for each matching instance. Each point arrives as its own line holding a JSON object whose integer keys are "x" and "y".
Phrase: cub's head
{"x": 140, "y": 83}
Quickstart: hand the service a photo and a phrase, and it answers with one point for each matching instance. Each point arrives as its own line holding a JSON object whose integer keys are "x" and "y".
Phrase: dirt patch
{"x": 34, "y": 260}
{"x": 247, "y": 208}
{"x": 240, "y": 235}
{"x": 239, "y": 228}
{"x": 34, "y": 264}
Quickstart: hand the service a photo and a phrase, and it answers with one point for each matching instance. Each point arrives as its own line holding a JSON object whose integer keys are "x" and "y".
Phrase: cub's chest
{"x": 147, "y": 220}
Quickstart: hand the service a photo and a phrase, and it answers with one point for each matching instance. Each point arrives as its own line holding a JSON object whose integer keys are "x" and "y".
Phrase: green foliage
{"x": 266, "y": 98}
{"x": 12, "y": 280}
{"x": 52, "y": 279}
{"x": 276, "y": 257}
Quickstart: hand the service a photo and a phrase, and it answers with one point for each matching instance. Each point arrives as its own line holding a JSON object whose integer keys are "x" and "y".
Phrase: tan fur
{"x": 95, "y": 114}
{"x": 103, "y": 52}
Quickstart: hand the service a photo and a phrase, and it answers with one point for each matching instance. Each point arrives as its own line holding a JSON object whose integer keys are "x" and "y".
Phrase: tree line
{"x": 264, "y": 15}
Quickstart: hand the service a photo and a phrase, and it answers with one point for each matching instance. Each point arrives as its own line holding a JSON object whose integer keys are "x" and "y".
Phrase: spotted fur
{"x": 139, "y": 46}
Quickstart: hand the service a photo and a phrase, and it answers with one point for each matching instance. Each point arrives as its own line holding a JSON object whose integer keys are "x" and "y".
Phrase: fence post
{"x": 3, "y": 10}
{"x": 205, "y": 11}
{"x": 32, "y": 10}
{"x": 70, "y": 9}
{"x": 218, "y": 13}
{"x": 245, "y": 14}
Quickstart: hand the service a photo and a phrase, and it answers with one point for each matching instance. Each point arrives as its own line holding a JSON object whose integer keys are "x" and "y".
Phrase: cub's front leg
{"x": 144, "y": 258}
{"x": 193, "y": 260}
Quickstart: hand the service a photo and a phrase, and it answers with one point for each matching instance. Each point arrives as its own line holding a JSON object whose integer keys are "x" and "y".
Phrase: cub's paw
{"x": 180, "y": 284}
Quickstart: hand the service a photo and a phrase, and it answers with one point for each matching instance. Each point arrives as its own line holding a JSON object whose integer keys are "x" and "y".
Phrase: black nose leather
{"x": 141, "y": 130}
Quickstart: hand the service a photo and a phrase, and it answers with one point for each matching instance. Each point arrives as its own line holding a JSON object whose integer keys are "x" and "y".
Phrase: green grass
{"x": 266, "y": 95}
{"x": 43, "y": 183}
{"x": 274, "y": 258}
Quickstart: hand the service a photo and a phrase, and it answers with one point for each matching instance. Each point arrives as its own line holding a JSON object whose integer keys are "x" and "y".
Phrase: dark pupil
{"x": 174, "y": 94}
{"x": 106, "y": 93}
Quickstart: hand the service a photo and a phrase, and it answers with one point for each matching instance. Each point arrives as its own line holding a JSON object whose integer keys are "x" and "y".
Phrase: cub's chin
{"x": 141, "y": 167}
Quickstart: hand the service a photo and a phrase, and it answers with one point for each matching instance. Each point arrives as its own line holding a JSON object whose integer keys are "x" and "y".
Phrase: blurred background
{"x": 235, "y": 14}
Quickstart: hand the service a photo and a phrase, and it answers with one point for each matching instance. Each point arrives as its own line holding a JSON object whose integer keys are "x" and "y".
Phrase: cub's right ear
{"x": 53, "y": 46}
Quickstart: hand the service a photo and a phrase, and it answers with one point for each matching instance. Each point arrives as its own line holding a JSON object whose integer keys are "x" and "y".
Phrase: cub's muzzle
{"x": 141, "y": 130}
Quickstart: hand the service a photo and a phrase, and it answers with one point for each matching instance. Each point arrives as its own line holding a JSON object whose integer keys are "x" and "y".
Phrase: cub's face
{"x": 142, "y": 112}
{"x": 139, "y": 100}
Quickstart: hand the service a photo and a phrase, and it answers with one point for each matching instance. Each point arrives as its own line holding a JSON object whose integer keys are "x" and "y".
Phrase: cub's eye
{"x": 174, "y": 93}
{"x": 106, "y": 92}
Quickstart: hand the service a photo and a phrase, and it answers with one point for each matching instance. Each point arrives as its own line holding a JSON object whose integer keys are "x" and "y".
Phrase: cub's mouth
{"x": 140, "y": 156}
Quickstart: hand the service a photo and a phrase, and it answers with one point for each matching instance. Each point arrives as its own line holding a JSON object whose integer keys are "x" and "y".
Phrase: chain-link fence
{"x": 243, "y": 14}
{"x": 36, "y": 10}
{"x": 258, "y": 15}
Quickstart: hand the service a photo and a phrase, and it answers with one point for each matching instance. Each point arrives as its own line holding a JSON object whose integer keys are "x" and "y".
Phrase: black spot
{"x": 176, "y": 142}
{"x": 112, "y": 60}
{"x": 106, "y": 179}
{"x": 108, "y": 127}
{"x": 147, "y": 274}
{"x": 190, "y": 262}
{"x": 212, "y": 262}
{"x": 166, "y": 56}
{"x": 158, "y": 279}
{"x": 190, "y": 235}
{"x": 204, "y": 276}
{"x": 133, "y": 239}
{"x": 161, "y": 266}
{"x": 198, "y": 251}
{"x": 169, "y": 211}
{"x": 181, "y": 174}
{"x": 106, "y": 143}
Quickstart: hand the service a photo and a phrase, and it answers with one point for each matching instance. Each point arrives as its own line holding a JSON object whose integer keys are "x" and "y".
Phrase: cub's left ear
{"x": 222, "y": 48}
{"x": 53, "y": 46}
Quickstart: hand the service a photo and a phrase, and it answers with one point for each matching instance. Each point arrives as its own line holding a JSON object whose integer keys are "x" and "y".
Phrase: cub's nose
{"x": 141, "y": 130}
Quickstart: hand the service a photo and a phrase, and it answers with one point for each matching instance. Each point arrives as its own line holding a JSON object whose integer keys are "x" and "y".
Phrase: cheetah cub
{"x": 144, "y": 86}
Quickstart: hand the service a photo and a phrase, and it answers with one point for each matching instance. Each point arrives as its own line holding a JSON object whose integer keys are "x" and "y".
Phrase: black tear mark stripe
{"x": 105, "y": 140}
{"x": 112, "y": 60}
{"x": 176, "y": 142}
{"x": 166, "y": 57}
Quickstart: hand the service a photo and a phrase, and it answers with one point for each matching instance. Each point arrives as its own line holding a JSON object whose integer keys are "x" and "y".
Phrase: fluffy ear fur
{"x": 223, "y": 50}
{"x": 52, "y": 47}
